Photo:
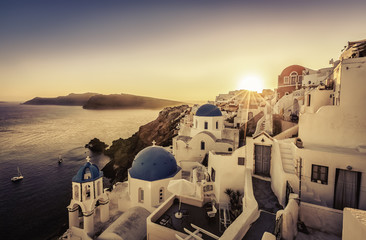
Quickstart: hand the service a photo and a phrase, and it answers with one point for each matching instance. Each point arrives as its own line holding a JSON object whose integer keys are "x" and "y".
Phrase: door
{"x": 347, "y": 189}
{"x": 262, "y": 157}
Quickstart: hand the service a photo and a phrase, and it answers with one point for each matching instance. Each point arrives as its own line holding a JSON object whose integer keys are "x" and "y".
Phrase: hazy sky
{"x": 182, "y": 50}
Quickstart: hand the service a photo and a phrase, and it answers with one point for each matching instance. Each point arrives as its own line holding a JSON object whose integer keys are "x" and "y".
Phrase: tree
{"x": 236, "y": 204}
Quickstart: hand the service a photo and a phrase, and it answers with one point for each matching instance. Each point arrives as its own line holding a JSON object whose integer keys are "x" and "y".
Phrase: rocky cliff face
{"x": 123, "y": 151}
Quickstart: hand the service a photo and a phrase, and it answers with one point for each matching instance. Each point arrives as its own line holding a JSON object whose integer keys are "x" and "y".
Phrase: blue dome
{"x": 84, "y": 176}
{"x": 208, "y": 110}
{"x": 154, "y": 163}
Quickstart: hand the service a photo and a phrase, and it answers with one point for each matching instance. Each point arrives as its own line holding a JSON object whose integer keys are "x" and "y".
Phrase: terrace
{"x": 163, "y": 223}
{"x": 191, "y": 215}
{"x": 200, "y": 217}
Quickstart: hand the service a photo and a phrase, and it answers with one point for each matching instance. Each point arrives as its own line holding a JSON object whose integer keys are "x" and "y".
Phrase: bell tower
{"x": 87, "y": 196}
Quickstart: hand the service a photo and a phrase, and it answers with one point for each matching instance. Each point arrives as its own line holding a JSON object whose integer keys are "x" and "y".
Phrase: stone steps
{"x": 287, "y": 158}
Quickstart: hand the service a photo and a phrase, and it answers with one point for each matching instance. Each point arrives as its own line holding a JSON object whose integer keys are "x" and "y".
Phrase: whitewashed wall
{"x": 228, "y": 173}
{"x": 333, "y": 158}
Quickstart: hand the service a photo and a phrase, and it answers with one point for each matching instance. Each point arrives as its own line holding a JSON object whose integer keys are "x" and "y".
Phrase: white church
{"x": 208, "y": 133}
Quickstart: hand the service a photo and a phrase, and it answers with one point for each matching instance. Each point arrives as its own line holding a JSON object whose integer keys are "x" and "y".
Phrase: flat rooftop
{"x": 191, "y": 214}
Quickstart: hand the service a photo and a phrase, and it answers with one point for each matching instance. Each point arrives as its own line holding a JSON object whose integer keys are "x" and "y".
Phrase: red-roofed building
{"x": 289, "y": 80}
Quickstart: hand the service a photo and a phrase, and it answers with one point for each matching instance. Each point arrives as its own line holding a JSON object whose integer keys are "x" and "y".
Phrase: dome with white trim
{"x": 208, "y": 110}
{"x": 87, "y": 173}
{"x": 154, "y": 163}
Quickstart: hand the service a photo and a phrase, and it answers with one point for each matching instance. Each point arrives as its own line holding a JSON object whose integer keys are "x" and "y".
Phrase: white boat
{"x": 17, "y": 178}
{"x": 60, "y": 159}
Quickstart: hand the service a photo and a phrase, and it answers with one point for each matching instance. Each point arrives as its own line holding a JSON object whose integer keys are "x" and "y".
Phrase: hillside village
{"x": 301, "y": 174}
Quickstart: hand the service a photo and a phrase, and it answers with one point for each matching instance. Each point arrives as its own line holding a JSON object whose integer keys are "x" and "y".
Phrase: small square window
{"x": 241, "y": 161}
{"x": 319, "y": 174}
{"x": 285, "y": 80}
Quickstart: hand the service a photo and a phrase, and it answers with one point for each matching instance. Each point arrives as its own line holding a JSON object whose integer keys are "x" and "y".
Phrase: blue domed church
{"x": 87, "y": 197}
{"x": 206, "y": 132}
{"x": 149, "y": 176}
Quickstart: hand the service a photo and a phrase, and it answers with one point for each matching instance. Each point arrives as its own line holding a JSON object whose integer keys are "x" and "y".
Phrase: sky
{"x": 180, "y": 50}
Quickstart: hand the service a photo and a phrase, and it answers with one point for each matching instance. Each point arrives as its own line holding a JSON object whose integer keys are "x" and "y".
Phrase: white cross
{"x": 87, "y": 158}
{"x": 153, "y": 142}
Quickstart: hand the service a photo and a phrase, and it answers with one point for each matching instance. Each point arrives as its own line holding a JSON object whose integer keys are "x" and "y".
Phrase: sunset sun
{"x": 251, "y": 82}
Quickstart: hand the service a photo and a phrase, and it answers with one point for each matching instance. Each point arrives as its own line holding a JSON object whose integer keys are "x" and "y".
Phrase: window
{"x": 319, "y": 174}
{"x": 206, "y": 125}
{"x": 229, "y": 149}
{"x": 87, "y": 174}
{"x": 309, "y": 98}
{"x": 99, "y": 188}
{"x": 217, "y": 125}
{"x": 87, "y": 191}
{"x": 285, "y": 80}
{"x": 141, "y": 195}
{"x": 213, "y": 173}
{"x": 202, "y": 145}
{"x": 76, "y": 192}
{"x": 241, "y": 161}
{"x": 161, "y": 195}
{"x": 293, "y": 77}
{"x": 299, "y": 79}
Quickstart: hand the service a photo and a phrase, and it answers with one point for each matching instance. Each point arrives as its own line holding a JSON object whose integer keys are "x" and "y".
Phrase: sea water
{"x": 32, "y": 138}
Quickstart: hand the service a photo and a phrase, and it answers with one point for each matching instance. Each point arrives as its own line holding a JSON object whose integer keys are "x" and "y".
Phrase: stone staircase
{"x": 287, "y": 158}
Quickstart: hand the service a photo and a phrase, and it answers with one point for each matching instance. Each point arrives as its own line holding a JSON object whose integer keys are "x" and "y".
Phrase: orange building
{"x": 289, "y": 80}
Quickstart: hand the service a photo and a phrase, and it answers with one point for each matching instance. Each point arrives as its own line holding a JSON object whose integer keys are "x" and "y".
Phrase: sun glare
{"x": 251, "y": 82}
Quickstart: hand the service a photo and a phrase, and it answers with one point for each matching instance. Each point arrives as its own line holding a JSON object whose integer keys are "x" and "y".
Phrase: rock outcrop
{"x": 127, "y": 101}
{"x": 96, "y": 146}
{"x": 123, "y": 151}
{"x": 72, "y": 99}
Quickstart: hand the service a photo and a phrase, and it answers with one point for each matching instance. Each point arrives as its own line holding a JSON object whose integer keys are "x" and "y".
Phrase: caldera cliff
{"x": 123, "y": 151}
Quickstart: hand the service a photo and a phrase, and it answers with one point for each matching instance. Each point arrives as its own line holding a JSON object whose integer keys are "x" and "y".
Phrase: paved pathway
{"x": 264, "y": 195}
{"x": 268, "y": 204}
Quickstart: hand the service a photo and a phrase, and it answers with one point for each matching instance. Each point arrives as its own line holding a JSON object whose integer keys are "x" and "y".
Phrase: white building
{"x": 207, "y": 133}
{"x": 245, "y": 114}
{"x": 149, "y": 176}
{"x": 323, "y": 76}
{"x": 333, "y": 131}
